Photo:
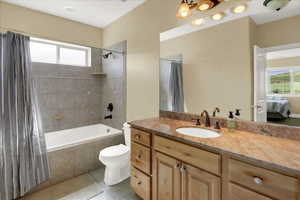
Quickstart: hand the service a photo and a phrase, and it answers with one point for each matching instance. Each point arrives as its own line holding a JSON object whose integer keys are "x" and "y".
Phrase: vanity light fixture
{"x": 205, "y": 5}
{"x": 198, "y": 22}
{"x": 239, "y": 9}
{"x": 186, "y": 6}
{"x": 218, "y": 16}
{"x": 184, "y": 10}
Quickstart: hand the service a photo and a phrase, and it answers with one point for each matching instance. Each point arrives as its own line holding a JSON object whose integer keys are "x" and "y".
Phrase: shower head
{"x": 105, "y": 56}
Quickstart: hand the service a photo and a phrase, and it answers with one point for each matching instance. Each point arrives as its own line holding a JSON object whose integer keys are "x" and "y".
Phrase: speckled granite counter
{"x": 277, "y": 153}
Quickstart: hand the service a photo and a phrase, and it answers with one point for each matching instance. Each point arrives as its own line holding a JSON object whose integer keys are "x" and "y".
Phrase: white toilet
{"x": 117, "y": 160}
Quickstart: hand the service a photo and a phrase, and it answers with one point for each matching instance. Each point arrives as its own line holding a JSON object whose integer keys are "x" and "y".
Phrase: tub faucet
{"x": 108, "y": 117}
{"x": 207, "y": 119}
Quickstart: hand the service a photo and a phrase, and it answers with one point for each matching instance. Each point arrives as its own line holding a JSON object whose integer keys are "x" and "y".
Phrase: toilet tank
{"x": 127, "y": 133}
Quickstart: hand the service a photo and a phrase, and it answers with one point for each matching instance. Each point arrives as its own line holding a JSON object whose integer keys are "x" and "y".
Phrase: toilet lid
{"x": 112, "y": 151}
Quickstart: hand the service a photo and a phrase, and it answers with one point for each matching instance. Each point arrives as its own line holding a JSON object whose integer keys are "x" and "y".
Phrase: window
{"x": 284, "y": 82}
{"x": 41, "y": 52}
{"x": 46, "y": 51}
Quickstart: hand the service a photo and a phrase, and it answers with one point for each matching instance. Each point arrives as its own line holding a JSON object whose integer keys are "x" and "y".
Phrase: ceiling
{"x": 284, "y": 54}
{"x": 255, "y": 10}
{"x": 98, "y": 13}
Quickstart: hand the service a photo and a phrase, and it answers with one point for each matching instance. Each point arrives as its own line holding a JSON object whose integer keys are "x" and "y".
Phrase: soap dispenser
{"x": 230, "y": 122}
{"x": 237, "y": 114}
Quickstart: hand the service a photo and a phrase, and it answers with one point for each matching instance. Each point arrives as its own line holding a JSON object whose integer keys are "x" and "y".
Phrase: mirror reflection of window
{"x": 284, "y": 82}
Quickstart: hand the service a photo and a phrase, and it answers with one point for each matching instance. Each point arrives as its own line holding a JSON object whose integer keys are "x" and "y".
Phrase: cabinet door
{"x": 166, "y": 177}
{"x": 199, "y": 185}
{"x": 239, "y": 193}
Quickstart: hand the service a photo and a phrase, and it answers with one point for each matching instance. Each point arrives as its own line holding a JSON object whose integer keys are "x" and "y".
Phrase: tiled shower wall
{"x": 113, "y": 86}
{"x": 69, "y": 96}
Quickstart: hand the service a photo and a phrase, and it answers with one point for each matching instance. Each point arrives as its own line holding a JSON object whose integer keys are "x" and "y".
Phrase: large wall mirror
{"x": 236, "y": 65}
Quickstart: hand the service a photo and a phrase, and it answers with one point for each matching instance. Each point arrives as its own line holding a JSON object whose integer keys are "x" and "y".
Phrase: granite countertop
{"x": 278, "y": 153}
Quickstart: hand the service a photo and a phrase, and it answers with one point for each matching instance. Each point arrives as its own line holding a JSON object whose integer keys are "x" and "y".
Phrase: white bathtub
{"x": 71, "y": 137}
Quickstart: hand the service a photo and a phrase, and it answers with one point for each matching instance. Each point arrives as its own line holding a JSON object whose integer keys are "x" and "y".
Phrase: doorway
{"x": 277, "y": 84}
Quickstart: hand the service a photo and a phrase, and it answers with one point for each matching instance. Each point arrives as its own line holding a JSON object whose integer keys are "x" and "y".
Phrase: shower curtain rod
{"x": 5, "y": 29}
{"x": 114, "y": 51}
{"x": 179, "y": 61}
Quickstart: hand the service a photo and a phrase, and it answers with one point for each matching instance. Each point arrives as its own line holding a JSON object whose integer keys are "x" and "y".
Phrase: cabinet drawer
{"x": 141, "y": 137}
{"x": 140, "y": 157}
{"x": 239, "y": 193}
{"x": 197, "y": 157}
{"x": 264, "y": 181}
{"x": 140, "y": 183}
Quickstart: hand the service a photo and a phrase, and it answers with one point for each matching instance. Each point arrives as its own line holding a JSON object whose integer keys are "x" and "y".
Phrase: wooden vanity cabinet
{"x": 264, "y": 181}
{"x": 208, "y": 161}
{"x": 199, "y": 185}
{"x": 140, "y": 183}
{"x": 141, "y": 137}
{"x": 176, "y": 180}
{"x": 141, "y": 157}
{"x": 166, "y": 177}
{"x": 141, "y": 163}
{"x": 164, "y": 169}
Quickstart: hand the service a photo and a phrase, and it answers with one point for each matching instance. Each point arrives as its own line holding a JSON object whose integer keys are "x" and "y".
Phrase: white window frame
{"x": 60, "y": 45}
{"x": 291, "y": 70}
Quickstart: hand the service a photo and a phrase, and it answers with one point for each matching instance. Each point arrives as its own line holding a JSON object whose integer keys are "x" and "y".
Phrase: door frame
{"x": 257, "y": 100}
{"x": 269, "y": 50}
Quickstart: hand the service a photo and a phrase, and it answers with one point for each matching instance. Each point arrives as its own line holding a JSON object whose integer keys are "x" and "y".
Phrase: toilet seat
{"x": 114, "y": 151}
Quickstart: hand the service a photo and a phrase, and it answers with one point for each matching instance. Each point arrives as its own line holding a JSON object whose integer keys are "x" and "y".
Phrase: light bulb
{"x": 218, "y": 16}
{"x": 184, "y": 10}
{"x": 198, "y": 22}
{"x": 203, "y": 7}
{"x": 239, "y": 9}
{"x": 184, "y": 14}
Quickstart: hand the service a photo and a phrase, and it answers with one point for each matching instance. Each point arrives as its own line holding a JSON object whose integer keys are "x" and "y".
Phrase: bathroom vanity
{"x": 239, "y": 165}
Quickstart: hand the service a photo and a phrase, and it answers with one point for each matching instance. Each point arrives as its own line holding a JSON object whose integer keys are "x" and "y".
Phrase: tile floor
{"x": 89, "y": 186}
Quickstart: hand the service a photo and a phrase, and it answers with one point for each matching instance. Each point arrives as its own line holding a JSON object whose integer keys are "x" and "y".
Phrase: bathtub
{"x": 73, "y": 152}
{"x": 71, "y": 137}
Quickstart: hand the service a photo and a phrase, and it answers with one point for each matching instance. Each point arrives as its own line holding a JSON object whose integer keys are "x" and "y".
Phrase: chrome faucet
{"x": 207, "y": 119}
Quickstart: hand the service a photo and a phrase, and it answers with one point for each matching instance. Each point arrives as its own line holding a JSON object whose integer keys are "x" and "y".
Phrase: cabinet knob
{"x": 139, "y": 156}
{"x": 139, "y": 183}
{"x": 182, "y": 169}
{"x": 137, "y": 137}
{"x": 177, "y": 165}
{"x": 258, "y": 180}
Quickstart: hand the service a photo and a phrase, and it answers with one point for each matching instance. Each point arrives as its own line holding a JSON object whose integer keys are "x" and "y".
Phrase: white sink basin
{"x": 198, "y": 132}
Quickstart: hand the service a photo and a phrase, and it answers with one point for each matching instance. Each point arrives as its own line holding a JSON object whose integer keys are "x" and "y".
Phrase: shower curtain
{"x": 176, "y": 87}
{"x": 23, "y": 155}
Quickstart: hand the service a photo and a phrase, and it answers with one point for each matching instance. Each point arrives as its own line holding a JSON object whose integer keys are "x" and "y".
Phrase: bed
{"x": 278, "y": 108}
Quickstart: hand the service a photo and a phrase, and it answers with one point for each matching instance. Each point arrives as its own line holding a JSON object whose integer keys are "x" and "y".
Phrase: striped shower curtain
{"x": 23, "y": 156}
